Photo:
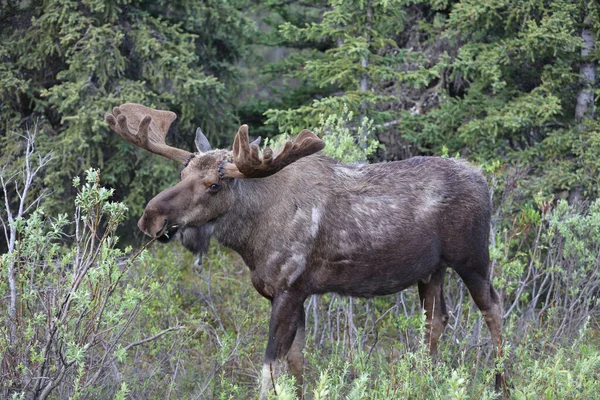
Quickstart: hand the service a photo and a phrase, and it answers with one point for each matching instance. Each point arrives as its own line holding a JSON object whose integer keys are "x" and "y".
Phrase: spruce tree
{"x": 64, "y": 63}
{"x": 362, "y": 57}
{"x": 493, "y": 81}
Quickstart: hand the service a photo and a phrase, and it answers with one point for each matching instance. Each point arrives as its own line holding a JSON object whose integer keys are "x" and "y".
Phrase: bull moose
{"x": 305, "y": 224}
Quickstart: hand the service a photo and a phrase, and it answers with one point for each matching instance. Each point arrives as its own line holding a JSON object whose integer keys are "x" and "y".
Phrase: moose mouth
{"x": 167, "y": 233}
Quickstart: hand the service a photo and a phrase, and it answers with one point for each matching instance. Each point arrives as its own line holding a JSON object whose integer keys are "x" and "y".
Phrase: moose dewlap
{"x": 306, "y": 224}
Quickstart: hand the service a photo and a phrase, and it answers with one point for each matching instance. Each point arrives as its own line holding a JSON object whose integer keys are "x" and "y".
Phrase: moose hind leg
{"x": 487, "y": 300}
{"x": 287, "y": 319}
{"x": 431, "y": 294}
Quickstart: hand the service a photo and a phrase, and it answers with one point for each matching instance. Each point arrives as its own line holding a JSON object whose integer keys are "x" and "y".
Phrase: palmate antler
{"x": 146, "y": 128}
{"x": 247, "y": 163}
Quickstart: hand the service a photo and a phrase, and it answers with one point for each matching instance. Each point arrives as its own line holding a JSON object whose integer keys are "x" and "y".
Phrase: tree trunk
{"x": 585, "y": 98}
{"x": 364, "y": 62}
{"x": 364, "y": 82}
{"x": 587, "y": 69}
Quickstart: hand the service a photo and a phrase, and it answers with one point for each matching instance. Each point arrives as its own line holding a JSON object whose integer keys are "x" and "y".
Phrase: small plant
{"x": 343, "y": 142}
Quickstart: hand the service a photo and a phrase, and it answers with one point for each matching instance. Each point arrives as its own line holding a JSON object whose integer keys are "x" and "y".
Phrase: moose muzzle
{"x": 152, "y": 224}
{"x": 164, "y": 212}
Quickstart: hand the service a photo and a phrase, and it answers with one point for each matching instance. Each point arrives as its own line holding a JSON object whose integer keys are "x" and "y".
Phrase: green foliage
{"x": 491, "y": 81}
{"x": 546, "y": 266}
{"x": 341, "y": 142}
{"x": 365, "y": 56}
{"x": 512, "y": 91}
{"x": 72, "y": 308}
{"x": 566, "y": 374}
{"x": 65, "y": 63}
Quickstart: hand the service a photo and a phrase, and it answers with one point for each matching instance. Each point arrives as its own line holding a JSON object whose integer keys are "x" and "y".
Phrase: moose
{"x": 305, "y": 224}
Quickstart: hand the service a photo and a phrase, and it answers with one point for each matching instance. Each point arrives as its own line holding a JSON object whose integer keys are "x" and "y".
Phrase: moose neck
{"x": 264, "y": 207}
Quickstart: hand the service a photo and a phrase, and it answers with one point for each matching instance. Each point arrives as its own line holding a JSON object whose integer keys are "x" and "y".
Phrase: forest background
{"x": 88, "y": 312}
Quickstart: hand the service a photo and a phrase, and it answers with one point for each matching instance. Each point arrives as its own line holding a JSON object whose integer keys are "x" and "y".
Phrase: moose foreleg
{"x": 286, "y": 340}
{"x": 295, "y": 358}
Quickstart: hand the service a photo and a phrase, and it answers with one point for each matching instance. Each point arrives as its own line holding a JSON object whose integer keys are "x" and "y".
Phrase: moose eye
{"x": 215, "y": 187}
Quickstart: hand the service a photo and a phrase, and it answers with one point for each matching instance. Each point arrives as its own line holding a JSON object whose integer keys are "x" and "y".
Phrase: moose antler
{"x": 146, "y": 128}
{"x": 247, "y": 163}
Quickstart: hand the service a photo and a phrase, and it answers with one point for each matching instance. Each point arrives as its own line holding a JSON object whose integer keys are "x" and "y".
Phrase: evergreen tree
{"x": 512, "y": 91}
{"x": 67, "y": 62}
{"x": 489, "y": 80}
{"x": 267, "y": 85}
{"x": 361, "y": 59}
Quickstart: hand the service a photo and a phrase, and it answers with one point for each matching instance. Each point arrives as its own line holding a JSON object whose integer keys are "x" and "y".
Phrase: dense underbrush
{"x": 84, "y": 318}
{"x": 93, "y": 321}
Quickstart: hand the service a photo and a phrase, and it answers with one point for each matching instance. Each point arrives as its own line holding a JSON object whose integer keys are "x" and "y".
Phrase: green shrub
{"x": 73, "y": 302}
{"x": 91, "y": 320}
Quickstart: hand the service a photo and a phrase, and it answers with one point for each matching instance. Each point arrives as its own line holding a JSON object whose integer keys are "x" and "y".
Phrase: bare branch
{"x": 53, "y": 383}
{"x": 6, "y": 204}
{"x": 151, "y": 338}
{"x": 38, "y": 200}
{"x": 4, "y": 227}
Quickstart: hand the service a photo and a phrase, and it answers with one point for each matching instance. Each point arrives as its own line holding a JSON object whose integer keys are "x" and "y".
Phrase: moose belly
{"x": 374, "y": 272}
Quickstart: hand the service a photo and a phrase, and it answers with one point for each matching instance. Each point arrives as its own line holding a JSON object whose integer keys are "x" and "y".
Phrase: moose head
{"x": 203, "y": 193}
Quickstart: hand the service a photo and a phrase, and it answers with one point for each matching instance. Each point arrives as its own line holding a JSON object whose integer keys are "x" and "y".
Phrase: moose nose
{"x": 152, "y": 224}
{"x": 142, "y": 224}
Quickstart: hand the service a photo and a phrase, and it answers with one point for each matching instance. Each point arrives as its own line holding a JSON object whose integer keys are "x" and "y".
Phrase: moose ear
{"x": 202, "y": 142}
